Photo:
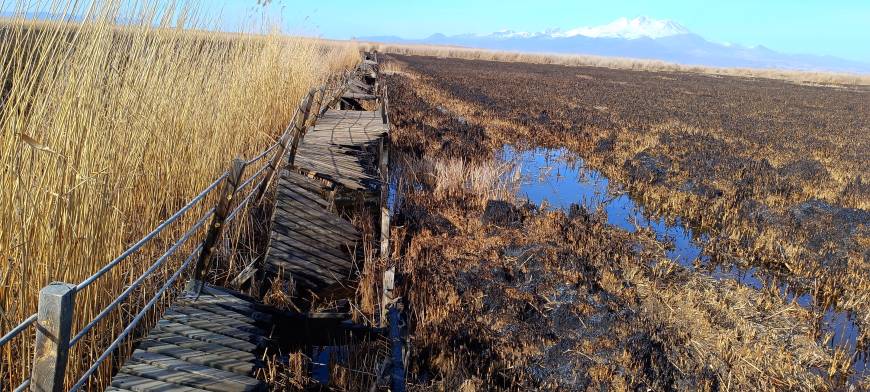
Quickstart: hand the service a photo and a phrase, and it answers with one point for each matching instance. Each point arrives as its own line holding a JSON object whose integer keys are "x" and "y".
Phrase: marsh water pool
{"x": 559, "y": 178}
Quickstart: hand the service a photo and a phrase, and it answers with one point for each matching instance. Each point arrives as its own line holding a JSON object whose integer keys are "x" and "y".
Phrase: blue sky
{"x": 834, "y": 27}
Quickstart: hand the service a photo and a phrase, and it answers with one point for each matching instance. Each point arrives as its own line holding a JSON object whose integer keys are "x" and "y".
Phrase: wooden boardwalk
{"x": 212, "y": 342}
{"x": 342, "y": 148}
{"x": 309, "y": 242}
{"x": 208, "y": 343}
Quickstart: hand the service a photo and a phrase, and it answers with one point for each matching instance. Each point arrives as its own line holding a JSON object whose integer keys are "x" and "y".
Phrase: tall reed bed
{"x": 108, "y": 128}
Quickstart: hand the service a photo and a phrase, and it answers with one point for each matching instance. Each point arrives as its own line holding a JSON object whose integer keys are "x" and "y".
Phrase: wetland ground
{"x": 699, "y": 232}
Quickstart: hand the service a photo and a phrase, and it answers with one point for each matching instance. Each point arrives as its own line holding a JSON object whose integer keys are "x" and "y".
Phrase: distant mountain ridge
{"x": 641, "y": 38}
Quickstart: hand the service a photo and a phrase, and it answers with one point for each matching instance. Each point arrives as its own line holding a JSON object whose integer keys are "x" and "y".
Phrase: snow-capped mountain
{"x": 642, "y": 38}
{"x": 640, "y": 27}
{"x": 631, "y": 29}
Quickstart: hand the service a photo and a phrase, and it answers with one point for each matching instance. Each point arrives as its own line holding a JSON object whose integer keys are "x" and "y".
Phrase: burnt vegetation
{"x": 507, "y": 295}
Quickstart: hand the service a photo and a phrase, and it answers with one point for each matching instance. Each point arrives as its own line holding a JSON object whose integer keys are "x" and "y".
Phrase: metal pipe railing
{"x": 23, "y": 387}
{"x": 17, "y": 330}
{"x": 151, "y": 235}
{"x": 126, "y": 293}
{"x": 262, "y": 154}
{"x": 120, "y": 339}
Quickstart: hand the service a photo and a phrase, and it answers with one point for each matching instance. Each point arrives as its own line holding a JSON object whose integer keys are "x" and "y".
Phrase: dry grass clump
{"x": 455, "y": 177}
{"x": 560, "y": 300}
{"x": 106, "y": 129}
{"x": 803, "y": 77}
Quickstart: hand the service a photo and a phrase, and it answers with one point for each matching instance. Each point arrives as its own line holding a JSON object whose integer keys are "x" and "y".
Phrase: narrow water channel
{"x": 560, "y": 178}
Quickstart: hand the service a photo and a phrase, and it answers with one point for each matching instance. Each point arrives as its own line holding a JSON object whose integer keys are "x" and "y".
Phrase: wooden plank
{"x": 206, "y": 336}
{"x": 350, "y": 164}
{"x": 350, "y": 125}
{"x": 213, "y": 327}
{"x": 338, "y": 113}
{"x": 345, "y": 182}
{"x": 308, "y": 270}
{"x": 300, "y": 196}
{"x": 313, "y": 186}
{"x": 317, "y": 213}
{"x": 342, "y": 137}
{"x": 167, "y": 375}
{"x": 179, "y": 316}
{"x": 293, "y": 216}
{"x": 356, "y": 168}
{"x": 304, "y": 276}
{"x": 171, "y": 363}
{"x": 356, "y": 128}
{"x": 215, "y": 312}
{"x": 359, "y": 95}
{"x": 312, "y": 201}
{"x": 217, "y": 360}
{"x": 248, "y": 316}
{"x": 226, "y": 294}
{"x": 130, "y": 382}
{"x": 316, "y": 244}
{"x": 243, "y": 308}
{"x": 207, "y": 303}
{"x": 345, "y": 134}
{"x": 198, "y": 345}
{"x": 187, "y": 312}
{"x": 317, "y": 233}
{"x": 328, "y": 261}
{"x": 362, "y": 131}
{"x": 217, "y": 297}
{"x": 311, "y": 233}
{"x": 331, "y": 173}
{"x": 297, "y": 219}
{"x": 317, "y": 201}
{"x": 341, "y": 151}
{"x": 313, "y": 265}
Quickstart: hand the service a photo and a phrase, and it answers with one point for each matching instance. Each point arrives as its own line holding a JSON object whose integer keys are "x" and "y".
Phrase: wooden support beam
{"x": 53, "y": 330}
{"x": 317, "y": 100}
{"x": 385, "y": 197}
{"x": 391, "y": 317}
{"x": 246, "y": 274}
{"x": 222, "y": 209}
{"x": 299, "y": 127}
{"x": 388, "y": 295}
{"x": 385, "y": 106}
{"x": 397, "y": 345}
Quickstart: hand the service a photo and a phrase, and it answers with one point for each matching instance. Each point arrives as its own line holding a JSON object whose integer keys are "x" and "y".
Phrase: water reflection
{"x": 559, "y": 178}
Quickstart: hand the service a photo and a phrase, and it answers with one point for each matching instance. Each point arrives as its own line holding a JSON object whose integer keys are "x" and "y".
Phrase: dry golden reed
{"x": 106, "y": 129}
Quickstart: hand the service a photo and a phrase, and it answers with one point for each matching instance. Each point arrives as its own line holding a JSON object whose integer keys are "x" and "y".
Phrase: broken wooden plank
{"x": 130, "y": 382}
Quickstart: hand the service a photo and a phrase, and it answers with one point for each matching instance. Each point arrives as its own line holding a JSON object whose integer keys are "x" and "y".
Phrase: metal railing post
{"x": 53, "y": 330}
{"x": 223, "y": 208}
